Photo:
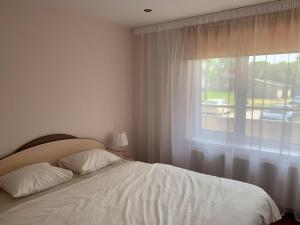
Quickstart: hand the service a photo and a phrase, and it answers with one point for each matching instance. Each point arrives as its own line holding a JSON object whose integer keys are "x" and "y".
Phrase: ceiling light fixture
{"x": 148, "y": 10}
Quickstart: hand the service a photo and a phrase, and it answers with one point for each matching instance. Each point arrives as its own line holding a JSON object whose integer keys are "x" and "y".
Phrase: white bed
{"x": 137, "y": 193}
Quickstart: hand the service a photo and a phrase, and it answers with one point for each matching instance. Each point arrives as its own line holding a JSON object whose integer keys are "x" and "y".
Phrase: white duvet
{"x": 136, "y": 193}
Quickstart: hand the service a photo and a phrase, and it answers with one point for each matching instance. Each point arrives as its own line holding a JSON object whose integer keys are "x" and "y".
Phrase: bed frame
{"x": 47, "y": 148}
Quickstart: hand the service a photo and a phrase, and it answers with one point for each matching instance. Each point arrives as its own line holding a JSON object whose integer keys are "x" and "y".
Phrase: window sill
{"x": 245, "y": 146}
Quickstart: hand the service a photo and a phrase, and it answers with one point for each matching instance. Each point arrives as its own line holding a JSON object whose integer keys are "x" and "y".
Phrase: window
{"x": 217, "y": 94}
{"x": 252, "y": 101}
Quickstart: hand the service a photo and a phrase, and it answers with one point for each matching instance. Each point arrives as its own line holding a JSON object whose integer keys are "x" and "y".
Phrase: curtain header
{"x": 259, "y": 9}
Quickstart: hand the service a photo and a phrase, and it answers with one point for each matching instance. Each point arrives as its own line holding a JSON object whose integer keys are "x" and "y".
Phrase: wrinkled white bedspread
{"x": 136, "y": 193}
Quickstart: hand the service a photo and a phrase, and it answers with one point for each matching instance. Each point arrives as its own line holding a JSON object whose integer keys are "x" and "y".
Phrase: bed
{"x": 129, "y": 192}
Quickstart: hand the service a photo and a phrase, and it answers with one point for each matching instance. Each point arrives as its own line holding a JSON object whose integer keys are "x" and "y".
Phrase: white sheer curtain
{"x": 220, "y": 94}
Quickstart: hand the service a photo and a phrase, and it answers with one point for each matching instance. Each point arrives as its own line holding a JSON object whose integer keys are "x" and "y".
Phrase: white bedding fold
{"x": 136, "y": 193}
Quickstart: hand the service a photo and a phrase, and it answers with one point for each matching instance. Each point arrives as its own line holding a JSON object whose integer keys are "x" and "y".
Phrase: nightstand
{"x": 121, "y": 154}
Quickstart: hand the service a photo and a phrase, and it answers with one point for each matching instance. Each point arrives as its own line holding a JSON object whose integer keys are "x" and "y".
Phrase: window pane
{"x": 272, "y": 117}
{"x": 217, "y": 94}
{"x": 253, "y": 102}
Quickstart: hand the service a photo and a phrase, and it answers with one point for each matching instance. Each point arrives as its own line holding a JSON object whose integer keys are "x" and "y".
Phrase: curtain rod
{"x": 252, "y": 10}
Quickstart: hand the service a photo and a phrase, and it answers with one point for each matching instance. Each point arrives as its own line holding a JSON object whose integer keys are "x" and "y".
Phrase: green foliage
{"x": 283, "y": 72}
{"x": 213, "y": 67}
{"x": 227, "y": 96}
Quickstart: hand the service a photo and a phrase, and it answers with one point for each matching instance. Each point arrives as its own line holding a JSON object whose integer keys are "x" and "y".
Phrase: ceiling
{"x": 130, "y": 13}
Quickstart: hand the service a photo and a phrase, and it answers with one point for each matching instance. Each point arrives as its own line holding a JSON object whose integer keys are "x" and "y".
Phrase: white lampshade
{"x": 120, "y": 139}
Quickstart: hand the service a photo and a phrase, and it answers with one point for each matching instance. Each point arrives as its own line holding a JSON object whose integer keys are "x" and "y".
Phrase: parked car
{"x": 297, "y": 93}
{"x": 295, "y": 101}
{"x": 215, "y": 107}
{"x": 280, "y": 112}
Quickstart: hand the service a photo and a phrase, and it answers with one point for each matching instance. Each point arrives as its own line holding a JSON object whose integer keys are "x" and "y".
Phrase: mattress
{"x": 138, "y": 193}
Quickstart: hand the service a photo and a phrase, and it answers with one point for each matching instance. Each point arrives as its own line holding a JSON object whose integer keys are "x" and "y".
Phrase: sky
{"x": 275, "y": 58}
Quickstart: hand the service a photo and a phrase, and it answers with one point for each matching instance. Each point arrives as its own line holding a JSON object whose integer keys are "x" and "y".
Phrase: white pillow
{"x": 88, "y": 161}
{"x": 33, "y": 178}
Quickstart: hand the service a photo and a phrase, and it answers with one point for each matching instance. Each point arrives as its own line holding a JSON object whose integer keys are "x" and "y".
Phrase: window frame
{"x": 240, "y": 108}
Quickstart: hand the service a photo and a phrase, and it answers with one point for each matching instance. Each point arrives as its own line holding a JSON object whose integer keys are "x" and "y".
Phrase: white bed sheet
{"x": 137, "y": 193}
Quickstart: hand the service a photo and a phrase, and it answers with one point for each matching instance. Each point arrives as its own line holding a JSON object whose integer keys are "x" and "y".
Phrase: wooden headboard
{"x": 43, "y": 140}
{"x": 48, "y": 148}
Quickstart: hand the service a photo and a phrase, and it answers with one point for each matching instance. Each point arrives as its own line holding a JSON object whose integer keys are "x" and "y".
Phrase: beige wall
{"x": 61, "y": 73}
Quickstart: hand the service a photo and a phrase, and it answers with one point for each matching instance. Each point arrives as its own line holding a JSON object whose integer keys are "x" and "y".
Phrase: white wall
{"x": 61, "y": 73}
